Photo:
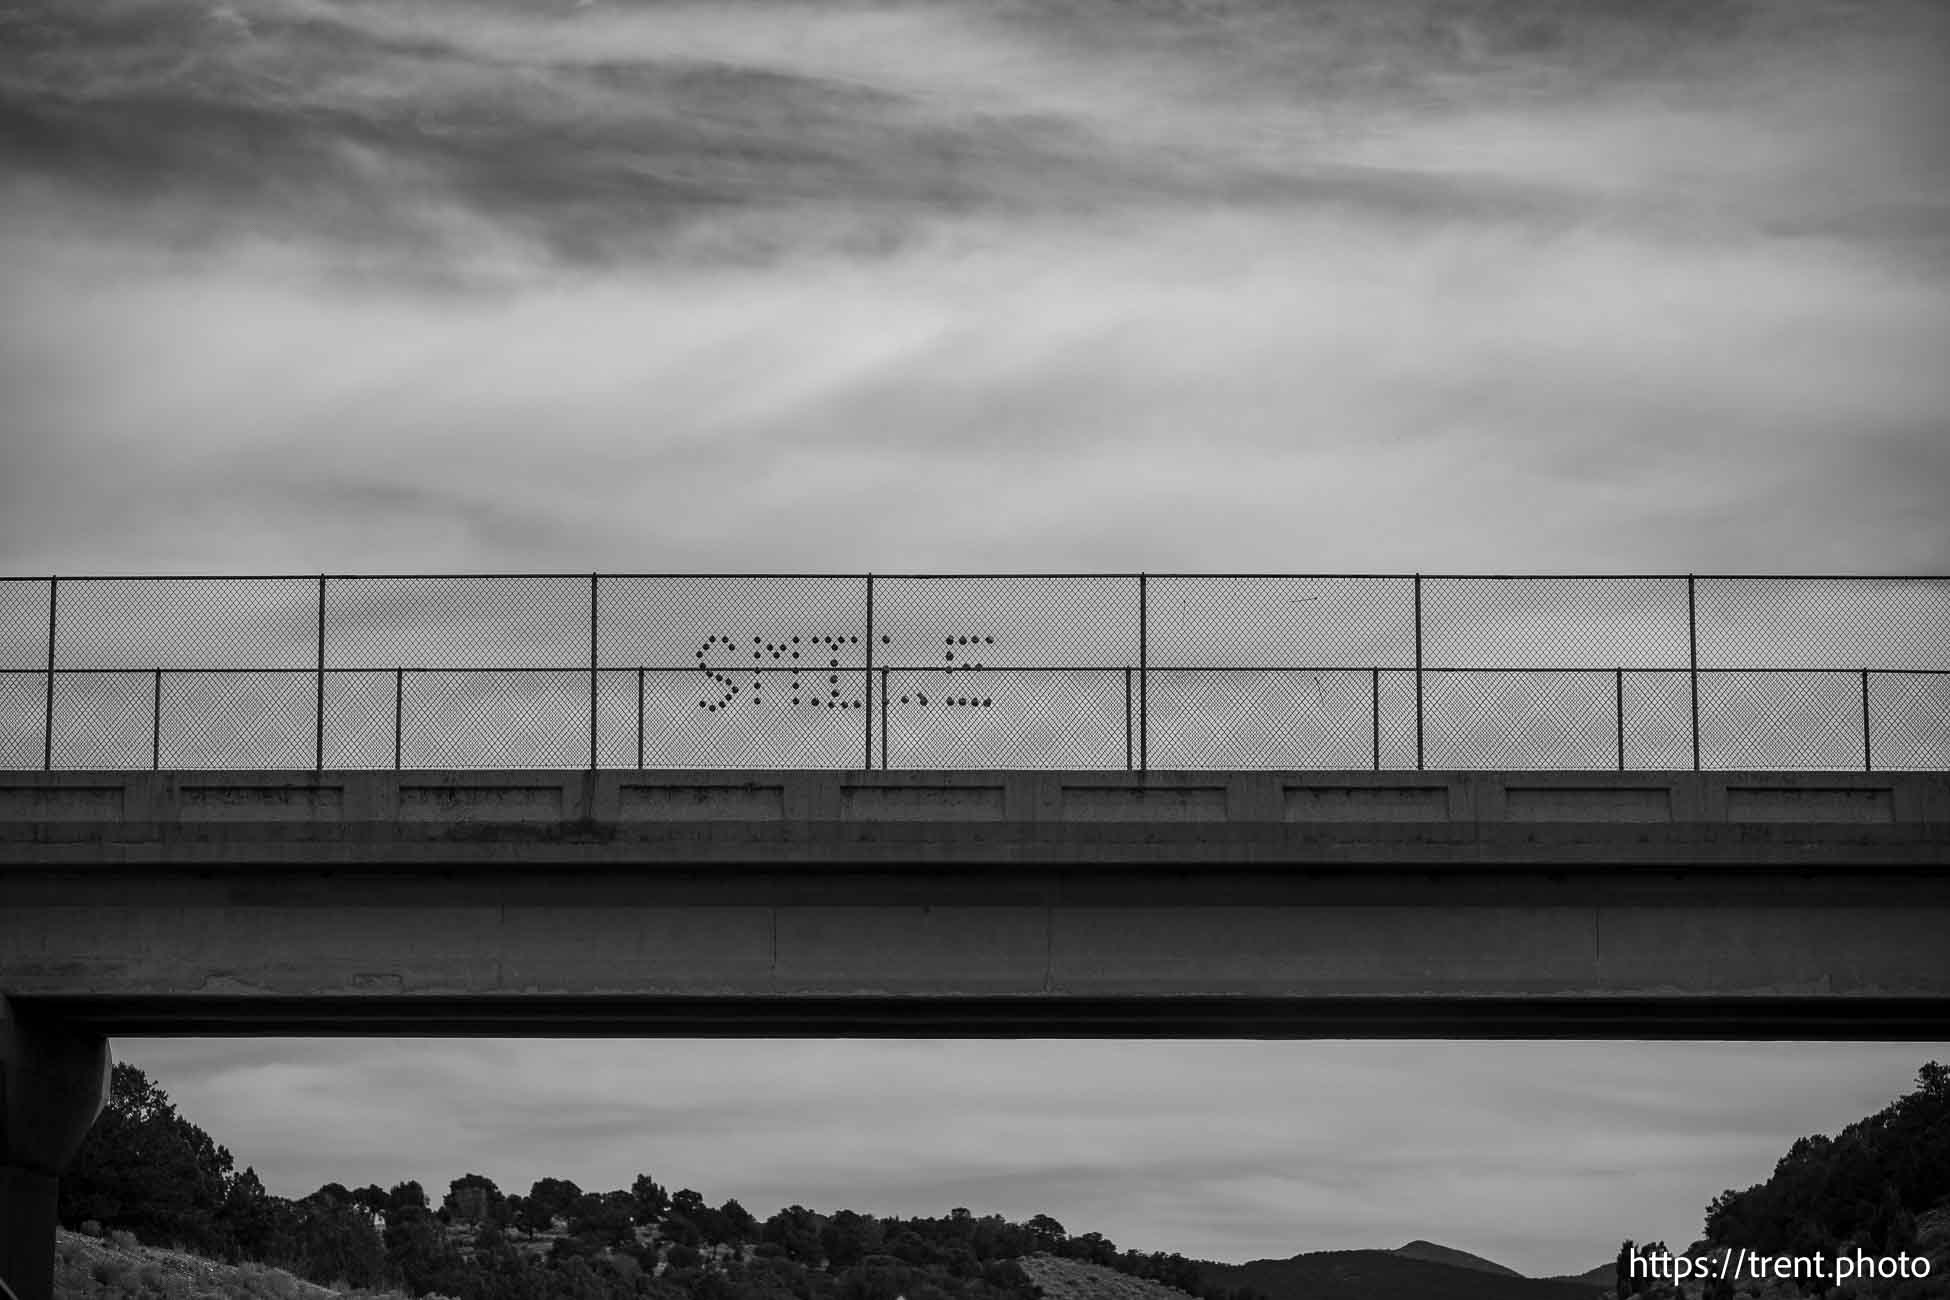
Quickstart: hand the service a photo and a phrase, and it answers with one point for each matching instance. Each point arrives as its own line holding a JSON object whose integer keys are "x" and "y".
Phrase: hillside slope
{"x": 1380, "y": 1275}
{"x": 1603, "y": 1275}
{"x": 1435, "y": 1254}
{"x": 117, "y": 1268}
{"x": 1072, "y": 1279}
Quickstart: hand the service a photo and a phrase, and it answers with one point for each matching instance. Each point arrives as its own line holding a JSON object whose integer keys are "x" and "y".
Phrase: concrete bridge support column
{"x": 53, "y": 1083}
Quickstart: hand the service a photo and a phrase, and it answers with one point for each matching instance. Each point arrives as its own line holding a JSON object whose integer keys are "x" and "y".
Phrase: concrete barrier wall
{"x": 974, "y": 816}
{"x": 1704, "y": 905}
{"x": 161, "y": 949}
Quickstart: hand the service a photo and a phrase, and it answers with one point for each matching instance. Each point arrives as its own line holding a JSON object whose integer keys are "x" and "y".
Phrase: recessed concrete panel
{"x": 1367, "y": 803}
{"x": 1323, "y": 951}
{"x": 60, "y": 803}
{"x": 486, "y": 803}
{"x": 1809, "y": 804}
{"x": 1587, "y": 804}
{"x": 912, "y": 949}
{"x": 682, "y": 803}
{"x": 921, "y": 803}
{"x": 1087, "y": 803}
{"x": 266, "y": 803}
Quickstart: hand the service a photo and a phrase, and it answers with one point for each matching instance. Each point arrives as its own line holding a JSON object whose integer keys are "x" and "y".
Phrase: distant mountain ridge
{"x": 1412, "y": 1273}
{"x": 1435, "y": 1254}
{"x": 1604, "y": 1275}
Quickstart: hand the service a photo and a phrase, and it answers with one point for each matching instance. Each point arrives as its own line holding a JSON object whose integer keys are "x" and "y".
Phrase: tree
{"x": 550, "y": 1198}
{"x": 849, "y": 1238}
{"x": 649, "y": 1201}
{"x": 1045, "y": 1233}
{"x": 408, "y": 1195}
{"x": 736, "y": 1223}
{"x": 473, "y": 1198}
{"x": 256, "y": 1222}
{"x": 334, "y": 1241}
{"x": 419, "y": 1254}
{"x": 795, "y": 1228}
{"x": 146, "y": 1169}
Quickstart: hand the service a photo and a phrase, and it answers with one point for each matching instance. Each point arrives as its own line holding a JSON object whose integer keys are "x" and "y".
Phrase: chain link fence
{"x": 1055, "y": 671}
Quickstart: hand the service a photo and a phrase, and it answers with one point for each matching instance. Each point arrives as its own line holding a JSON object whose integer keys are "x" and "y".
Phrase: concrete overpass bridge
{"x": 275, "y": 832}
{"x": 1264, "y": 904}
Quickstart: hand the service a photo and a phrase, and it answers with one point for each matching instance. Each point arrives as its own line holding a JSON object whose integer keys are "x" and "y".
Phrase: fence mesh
{"x": 716, "y": 716}
{"x": 1256, "y": 720}
{"x": 1280, "y": 622}
{"x": 769, "y": 622}
{"x": 1008, "y": 622}
{"x": 1909, "y": 722}
{"x": 1658, "y": 721}
{"x": 507, "y": 623}
{"x": 359, "y": 720}
{"x": 149, "y": 623}
{"x": 237, "y": 720}
{"x": 1251, "y": 671}
{"x": 1554, "y": 623}
{"x": 23, "y": 623}
{"x": 462, "y": 719}
{"x": 104, "y": 720}
{"x": 1780, "y": 721}
{"x": 1533, "y": 720}
{"x": 1069, "y": 719}
{"x": 1824, "y": 623}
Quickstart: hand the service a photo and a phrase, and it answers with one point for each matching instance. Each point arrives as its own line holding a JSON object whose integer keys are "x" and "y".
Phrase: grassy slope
{"x": 1071, "y": 1279}
{"x": 90, "y": 1268}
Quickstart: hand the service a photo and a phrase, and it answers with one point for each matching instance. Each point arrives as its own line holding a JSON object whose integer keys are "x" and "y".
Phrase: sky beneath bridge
{"x": 1234, "y": 285}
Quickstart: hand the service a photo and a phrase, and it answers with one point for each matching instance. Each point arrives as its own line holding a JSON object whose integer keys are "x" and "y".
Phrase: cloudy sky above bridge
{"x": 1164, "y": 284}
{"x": 1203, "y": 284}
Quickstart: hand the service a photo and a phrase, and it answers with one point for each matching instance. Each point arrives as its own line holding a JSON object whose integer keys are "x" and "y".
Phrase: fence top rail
{"x": 620, "y": 574}
{"x": 954, "y": 670}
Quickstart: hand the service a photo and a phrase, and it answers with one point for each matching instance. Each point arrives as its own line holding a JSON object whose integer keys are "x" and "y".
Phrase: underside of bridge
{"x": 925, "y": 904}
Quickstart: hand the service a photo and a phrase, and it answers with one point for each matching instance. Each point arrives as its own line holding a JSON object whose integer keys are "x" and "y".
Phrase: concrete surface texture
{"x": 968, "y": 902}
{"x": 964, "y": 816}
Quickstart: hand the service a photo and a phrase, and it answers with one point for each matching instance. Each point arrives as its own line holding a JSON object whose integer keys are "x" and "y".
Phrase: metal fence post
{"x": 1144, "y": 677}
{"x": 592, "y": 672}
{"x": 1618, "y": 708}
{"x": 318, "y": 763}
{"x": 868, "y": 692}
{"x": 155, "y": 738}
{"x": 1692, "y": 652}
{"x": 1418, "y": 672}
{"x": 1374, "y": 681}
{"x": 1127, "y": 717}
{"x": 399, "y": 698}
{"x": 883, "y": 719}
{"x": 1868, "y": 755}
{"x": 47, "y": 727}
{"x": 639, "y": 719}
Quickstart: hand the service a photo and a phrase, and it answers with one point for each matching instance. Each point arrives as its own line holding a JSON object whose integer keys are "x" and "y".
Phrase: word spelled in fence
{"x": 1057, "y": 671}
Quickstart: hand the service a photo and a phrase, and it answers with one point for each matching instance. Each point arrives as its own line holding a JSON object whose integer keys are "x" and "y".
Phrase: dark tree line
{"x": 1862, "y": 1188}
{"x": 146, "y": 1169}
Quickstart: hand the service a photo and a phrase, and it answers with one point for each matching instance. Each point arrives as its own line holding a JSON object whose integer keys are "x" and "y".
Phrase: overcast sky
{"x": 1542, "y": 1156}
{"x": 1206, "y": 284}
{"x": 1242, "y": 285}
